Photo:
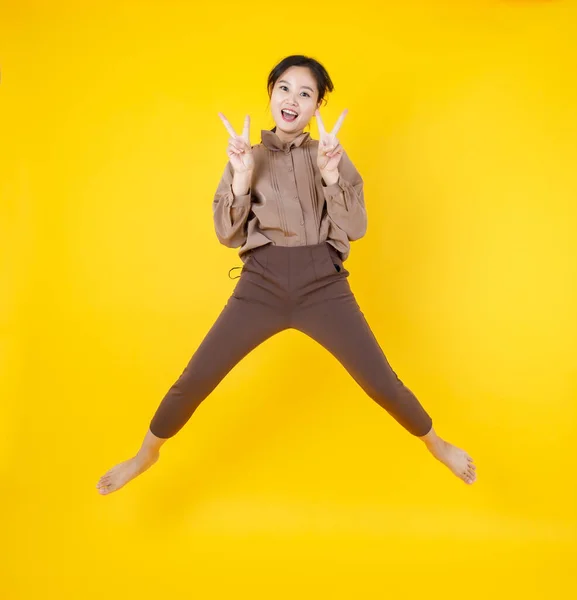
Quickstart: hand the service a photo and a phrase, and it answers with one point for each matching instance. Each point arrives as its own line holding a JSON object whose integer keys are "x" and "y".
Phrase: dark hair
{"x": 320, "y": 74}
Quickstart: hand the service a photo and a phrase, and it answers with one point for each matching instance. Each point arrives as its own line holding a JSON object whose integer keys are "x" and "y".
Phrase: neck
{"x": 283, "y": 136}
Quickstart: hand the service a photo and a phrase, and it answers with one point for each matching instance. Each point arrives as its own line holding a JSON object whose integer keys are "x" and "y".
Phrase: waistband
{"x": 295, "y": 250}
{"x": 291, "y": 254}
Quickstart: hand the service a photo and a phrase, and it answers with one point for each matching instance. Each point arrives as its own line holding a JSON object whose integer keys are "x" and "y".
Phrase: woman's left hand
{"x": 330, "y": 150}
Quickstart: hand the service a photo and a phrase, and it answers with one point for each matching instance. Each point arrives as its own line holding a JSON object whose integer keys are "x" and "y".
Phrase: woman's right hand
{"x": 239, "y": 149}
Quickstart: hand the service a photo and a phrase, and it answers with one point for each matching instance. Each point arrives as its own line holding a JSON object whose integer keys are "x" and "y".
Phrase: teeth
{"x": 290, "y": 112}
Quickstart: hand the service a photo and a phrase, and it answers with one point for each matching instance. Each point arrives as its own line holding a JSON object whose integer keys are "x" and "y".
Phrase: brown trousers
{"x": 303, "y": 288}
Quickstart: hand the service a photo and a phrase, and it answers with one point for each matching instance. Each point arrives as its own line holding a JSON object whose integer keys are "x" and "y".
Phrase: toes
{"x": 109, "y": 487}
{"x": 104, "y": 483}
{"x": 468, "y": 477}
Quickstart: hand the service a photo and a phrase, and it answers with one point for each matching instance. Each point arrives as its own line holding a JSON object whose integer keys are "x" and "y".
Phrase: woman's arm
{"x": 231, "y": 207}
{"x": 345, "y": 199}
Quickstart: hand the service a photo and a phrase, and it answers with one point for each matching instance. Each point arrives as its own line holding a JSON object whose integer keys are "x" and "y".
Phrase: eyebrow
{"x": 302, "y": 86}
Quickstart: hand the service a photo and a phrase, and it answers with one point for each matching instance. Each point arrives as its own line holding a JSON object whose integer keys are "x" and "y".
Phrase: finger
{"x": 337, "y": 150}
{"x": 235, "y": 150}
{"x": 238, "y": 143}
{"x": 246, "y": 130}
{"x": 228, "y": 126}
{"x": 240, "y": 146}
{"x": 320, "y": 124}
{"x": 329, "y": 144}
{"x": 234, "y": 147}
{"x": 339, "y": 122}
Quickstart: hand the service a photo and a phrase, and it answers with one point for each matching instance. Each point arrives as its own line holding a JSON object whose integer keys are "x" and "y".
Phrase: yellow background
{"x": 288, "y": 482}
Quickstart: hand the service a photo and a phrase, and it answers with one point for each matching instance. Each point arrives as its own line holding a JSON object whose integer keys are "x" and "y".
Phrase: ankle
{"x": 431, "y": 439}
{"x": 150, "y": 446}
{"x": 146, "y": 454}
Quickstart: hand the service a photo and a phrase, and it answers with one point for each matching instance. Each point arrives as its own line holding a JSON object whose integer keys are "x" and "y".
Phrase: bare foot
{"x": 457, "y": 460}
{"x": 125, "y": 471}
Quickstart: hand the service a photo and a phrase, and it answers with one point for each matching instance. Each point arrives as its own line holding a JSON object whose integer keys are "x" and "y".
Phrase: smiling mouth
{"x": 289, "y": 115}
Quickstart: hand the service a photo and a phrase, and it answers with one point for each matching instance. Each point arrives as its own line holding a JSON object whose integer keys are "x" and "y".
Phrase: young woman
{"x": 292, "y": 205}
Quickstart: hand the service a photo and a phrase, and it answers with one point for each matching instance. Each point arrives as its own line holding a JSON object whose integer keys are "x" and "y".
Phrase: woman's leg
{"x": 242, "y": 326}
{"x": 338, "y": 324}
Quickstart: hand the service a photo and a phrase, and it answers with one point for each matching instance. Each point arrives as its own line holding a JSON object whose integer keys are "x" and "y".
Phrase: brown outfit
{"x": 293, "y": 277}
{"x": 288, "y": 203}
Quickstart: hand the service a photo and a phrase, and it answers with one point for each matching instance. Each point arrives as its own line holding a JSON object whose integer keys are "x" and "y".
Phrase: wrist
{"x": 330, "y": 177}
{"x": 241, "y": 183}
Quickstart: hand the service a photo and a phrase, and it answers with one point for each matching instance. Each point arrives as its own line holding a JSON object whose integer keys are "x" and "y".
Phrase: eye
{"x": 306, "y": 94}
{"x": 283, "y": 87}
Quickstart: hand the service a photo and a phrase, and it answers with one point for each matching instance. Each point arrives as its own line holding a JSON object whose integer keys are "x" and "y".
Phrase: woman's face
{"x": 295, "y": 90}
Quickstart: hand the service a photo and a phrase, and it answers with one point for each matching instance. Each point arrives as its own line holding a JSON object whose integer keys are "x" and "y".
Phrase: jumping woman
{"x": 292, "y": 205}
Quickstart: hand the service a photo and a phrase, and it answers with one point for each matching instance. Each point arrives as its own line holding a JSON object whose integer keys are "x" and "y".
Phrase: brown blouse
{"x": 288, "y": 203}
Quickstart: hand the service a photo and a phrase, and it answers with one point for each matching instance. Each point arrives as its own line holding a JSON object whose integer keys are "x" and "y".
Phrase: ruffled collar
{"x": 271, "y": 140}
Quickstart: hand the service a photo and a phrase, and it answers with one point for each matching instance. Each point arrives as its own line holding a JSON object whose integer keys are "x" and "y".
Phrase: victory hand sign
{"x": 330, "y": 150}
{"x": 239, "y": 149}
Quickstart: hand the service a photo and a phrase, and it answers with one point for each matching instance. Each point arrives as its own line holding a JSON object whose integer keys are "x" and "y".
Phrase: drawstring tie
{"x": 233, "y": 270}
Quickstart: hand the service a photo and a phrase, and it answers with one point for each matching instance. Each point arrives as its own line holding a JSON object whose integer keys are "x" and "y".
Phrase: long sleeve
{"x": 345, "y": 200}
{"x": 230, "y": 212}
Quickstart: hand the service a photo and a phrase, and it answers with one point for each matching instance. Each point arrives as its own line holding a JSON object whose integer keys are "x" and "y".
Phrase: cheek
{"x": 275, "y": 100}
{"x": 308, "y": 113}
